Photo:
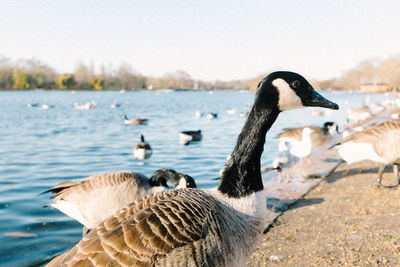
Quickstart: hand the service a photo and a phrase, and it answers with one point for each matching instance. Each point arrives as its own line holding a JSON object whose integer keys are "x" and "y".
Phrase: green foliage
{"x": 22, "y": 80}
{"x": 97, "y": 84}
{"x": 65, "y": 81}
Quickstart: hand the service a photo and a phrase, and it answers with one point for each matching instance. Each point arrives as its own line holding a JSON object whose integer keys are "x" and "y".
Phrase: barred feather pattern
{"x": 182, "y": 227}
{"x": 88, "y": 195}
{"x": 384, "y": 137}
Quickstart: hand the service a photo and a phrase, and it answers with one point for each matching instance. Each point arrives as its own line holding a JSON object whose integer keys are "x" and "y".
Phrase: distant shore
{"x": 345, "y": 220}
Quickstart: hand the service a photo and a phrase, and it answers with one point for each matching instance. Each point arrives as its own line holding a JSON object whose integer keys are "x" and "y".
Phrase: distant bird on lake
{"x": 47, "y": 106}
{"x": 93, "y": 199}
{"x": 115, "y": 104}
{"x": 231, "y": 111}
{"x": 142, "y": 150}
{"x": 186, "y": 137}
{"x": 134, "y": 120}
{"x": 33, "y": 105}
{"x": 87, "y": 105}
{"x": 211, "y": 116}
{"x": 198, "y": 114}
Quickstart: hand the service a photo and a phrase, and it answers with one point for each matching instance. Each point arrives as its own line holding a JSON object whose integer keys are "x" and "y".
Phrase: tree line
{"x": 27, "y": 74}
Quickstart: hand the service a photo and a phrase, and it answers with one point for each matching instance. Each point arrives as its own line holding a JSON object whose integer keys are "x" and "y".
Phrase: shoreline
{"x": 343, "y": 220}
{"x": 325, "y": 217}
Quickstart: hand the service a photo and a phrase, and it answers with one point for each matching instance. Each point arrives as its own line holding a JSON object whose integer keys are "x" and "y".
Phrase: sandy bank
{"x": 344, "y": 220}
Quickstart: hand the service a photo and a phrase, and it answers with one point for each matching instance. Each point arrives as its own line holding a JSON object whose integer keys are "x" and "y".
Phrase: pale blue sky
{"x": 208, "y": 39}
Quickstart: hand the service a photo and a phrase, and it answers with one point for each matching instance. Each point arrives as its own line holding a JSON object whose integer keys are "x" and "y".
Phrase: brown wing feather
{"x": 65, "y": 189}
{"x": 292, "y": 133}
{"x": 144, "y": 232}
{"x": 373, "y": 134}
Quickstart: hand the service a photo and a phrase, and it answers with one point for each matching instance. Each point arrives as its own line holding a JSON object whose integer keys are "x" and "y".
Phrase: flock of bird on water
{"x": 132, "y": 220}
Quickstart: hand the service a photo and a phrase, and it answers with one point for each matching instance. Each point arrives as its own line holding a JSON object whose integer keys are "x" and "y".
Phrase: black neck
{"x": 242, "y": 174}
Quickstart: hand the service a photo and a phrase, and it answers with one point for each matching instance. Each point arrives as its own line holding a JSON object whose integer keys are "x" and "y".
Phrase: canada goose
{"x": 32, "y": 105}
{"x": 47, "y": 106}
{"x": 283, "y": 159}
{"x": 115, "y": 104}
{"x": 358, "y": 114}
{"x": 186, "y": 137}
{"x": 320, "y": 136}
{"x": 142, "y": 150}
{"x": 96, "y": 197}
{"x": 134, "y": 120}
{"x": 211, "y": 116}
{"x": 379, "y": 144}
{"x": 206, "y": 227}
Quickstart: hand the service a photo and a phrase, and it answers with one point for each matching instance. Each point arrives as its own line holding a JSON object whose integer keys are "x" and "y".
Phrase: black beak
{"x": 318, "y": 100}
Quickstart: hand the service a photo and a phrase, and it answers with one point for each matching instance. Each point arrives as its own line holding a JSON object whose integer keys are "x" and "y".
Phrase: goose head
{"x": 290, "y": 90}
{"x": 185, "y": 181}
{"x": 330, "y": 127}
{"x": 161, "y": 176}
{"x": 178, "y": 180}
{"x": 279, "y": 91}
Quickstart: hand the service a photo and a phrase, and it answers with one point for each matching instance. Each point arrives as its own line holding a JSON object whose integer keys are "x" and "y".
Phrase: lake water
{"x": 40, "y": 148}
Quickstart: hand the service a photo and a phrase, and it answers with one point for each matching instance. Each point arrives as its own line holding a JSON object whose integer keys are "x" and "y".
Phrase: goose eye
{"x": 296, "y": 84}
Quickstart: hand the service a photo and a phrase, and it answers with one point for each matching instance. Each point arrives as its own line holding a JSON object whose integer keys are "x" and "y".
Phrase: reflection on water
{"x": 42, "y": 147}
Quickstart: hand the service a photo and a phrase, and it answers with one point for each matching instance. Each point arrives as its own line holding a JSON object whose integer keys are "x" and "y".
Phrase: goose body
{"x": 191, "y": 227}
{"x": 186, "y": 137}
{"x": 97, "y": 197}
{"x": 134, "y": 120}
{"x": 115, "y": 104}
{"x": 211, "y": 116}
{"x": 142, "y": 150}
{"x": 379, "y": 144}
{"x": 395, "y": 114}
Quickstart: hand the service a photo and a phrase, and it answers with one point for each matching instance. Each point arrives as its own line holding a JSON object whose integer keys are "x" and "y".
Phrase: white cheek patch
{"x": 182, "y": 183}
{"x": 287, "y": 97}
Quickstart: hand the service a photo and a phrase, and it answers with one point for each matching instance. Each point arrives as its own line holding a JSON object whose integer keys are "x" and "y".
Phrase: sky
{"x": 209, "y": 39}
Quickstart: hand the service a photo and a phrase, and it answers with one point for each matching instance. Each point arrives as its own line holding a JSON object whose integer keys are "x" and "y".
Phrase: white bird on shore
{"x": 358, "y": 114}
{"x": 206, "y": 227}
{"x": 303, "y": 149}
{"x": 283, "y": 159}
{"x": 320, "y": 136}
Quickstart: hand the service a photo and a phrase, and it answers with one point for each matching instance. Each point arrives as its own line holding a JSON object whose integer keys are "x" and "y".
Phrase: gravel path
{"x": 344, "y": 221}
